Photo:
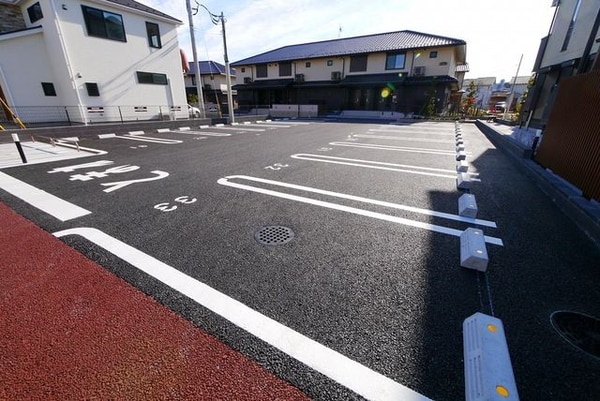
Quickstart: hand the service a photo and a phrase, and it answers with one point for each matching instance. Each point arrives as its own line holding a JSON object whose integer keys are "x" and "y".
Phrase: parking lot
{"x": 329, "y": 252}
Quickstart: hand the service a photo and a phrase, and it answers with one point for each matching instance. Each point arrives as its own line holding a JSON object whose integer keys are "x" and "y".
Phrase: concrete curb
{"x": 584, "y": 213}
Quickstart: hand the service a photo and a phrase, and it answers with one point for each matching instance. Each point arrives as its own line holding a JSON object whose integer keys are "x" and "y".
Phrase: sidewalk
{"x": 72, "y": 331}
{"x": 517, "y": 142}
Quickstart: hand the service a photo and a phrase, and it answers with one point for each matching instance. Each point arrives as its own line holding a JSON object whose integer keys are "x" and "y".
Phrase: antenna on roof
{"x": 340, "y": 32}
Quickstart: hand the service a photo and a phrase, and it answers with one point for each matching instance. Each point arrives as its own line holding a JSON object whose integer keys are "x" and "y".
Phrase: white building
{"x": 89, "y": 60}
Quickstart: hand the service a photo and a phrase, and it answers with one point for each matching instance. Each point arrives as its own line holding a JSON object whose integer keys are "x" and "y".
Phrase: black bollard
{"x": 15, "y": 138}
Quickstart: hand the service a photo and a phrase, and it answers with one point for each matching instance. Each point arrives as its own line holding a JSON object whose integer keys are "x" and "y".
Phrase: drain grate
{"x": 580, "y": 330}
{"x": 274, "y": 235}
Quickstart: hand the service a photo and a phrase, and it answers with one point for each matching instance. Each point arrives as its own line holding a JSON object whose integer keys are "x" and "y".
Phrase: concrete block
{"x": 463, "y": 181}
{"x": 459, "y": 141}
{"x": 185, "y": 128}
{"x": 163, "y": 130}
{"x": 460, "y": 147}
{"x": 461, "y": 155}
{"x": 473, "y": 252}
{"x": 462, "y": 166}
{"x": 133, "y": 133}
{"x": 488, "y": 369}
{"x": 467, "y": 206}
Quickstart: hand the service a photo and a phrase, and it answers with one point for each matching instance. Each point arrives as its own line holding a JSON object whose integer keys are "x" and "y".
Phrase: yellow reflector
{"x": 502, "y": 391}
{"x": 492, "y": 328}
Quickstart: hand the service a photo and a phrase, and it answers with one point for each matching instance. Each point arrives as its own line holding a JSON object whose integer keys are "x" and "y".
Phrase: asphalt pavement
{"x": 360, "y": 292}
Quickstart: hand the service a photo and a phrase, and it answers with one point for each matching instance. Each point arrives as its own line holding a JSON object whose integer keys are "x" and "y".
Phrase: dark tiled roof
{"x": 402, "y": 40}
{"x": 138, "y": 6}
{"x": 209, "y": 67}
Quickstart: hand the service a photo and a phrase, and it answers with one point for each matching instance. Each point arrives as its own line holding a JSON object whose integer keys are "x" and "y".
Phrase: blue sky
{"x": 496, "y": 32}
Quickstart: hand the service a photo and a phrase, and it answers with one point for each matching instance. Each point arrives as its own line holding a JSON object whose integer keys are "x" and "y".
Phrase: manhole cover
{"x": 581, "y": 330}
{"x": 274, "y": 235}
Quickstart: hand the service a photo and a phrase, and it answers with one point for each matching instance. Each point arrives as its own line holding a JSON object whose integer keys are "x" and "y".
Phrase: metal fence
{"x": 73, "y": 115}
{"x": 570, "y": 146}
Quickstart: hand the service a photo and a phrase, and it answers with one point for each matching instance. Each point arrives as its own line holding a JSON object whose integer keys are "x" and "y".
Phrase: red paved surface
{"x": 71, "y": 330}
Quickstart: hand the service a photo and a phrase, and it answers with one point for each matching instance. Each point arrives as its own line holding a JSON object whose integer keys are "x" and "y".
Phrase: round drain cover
{"x": 581, "y": 330}
{"x": 274, "y": 235}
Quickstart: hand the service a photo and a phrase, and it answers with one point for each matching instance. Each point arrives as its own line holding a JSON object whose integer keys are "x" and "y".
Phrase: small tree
{"x": 192, "y": 98}
{"x": 469, "y": 102}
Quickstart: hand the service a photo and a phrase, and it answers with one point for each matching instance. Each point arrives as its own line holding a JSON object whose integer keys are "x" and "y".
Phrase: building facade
{"x": 406, "y": 71}
{"x": 214, "y": 84}
{"x": 90, "y": 59}
{"x": 569, "y": 49}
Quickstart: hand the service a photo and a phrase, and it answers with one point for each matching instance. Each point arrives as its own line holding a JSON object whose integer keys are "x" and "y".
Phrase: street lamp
{"x": 215, "y": 20}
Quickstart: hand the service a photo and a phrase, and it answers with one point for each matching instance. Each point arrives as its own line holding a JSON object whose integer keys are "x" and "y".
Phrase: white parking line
{"x": 241, "y": 128}
{"x": 411, "y": 131}
{"x": 394, "y": 148}
{"x": 46, "y": 202}
{"x": 140, "y": 138}
{"x": 366, "y": 164}
{"x": 351, "y": 374}
{"x": 375, "y": 164}
{"x": 427, "y": 212}
{"x": 401, "y": 138}
{"x": 198, "y": 133}
{"x": 380, "y": 216}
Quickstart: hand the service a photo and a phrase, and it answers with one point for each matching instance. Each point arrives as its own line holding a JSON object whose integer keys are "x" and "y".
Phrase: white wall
{"x": 29, "y": 60}
{"x": 579, "y": 37}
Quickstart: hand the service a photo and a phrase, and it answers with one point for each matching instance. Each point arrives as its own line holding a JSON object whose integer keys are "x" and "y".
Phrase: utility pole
{"x": 512, "y": 90}
{"x": 215, "y": 20}
{"x": 196, "y": 63}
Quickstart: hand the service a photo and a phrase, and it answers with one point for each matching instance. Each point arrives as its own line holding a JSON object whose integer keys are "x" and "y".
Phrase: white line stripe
{"x": 394, "y": 148}
{"x": 358, "y": 378}
{"x": 48, "y": 203}
{"x": 410, "y": 131}
{"x": 288, "y": 122}
{"x": 306, "y": 156}
{"x": 200, "y": 133}
{"x": 150, "y": 139}
{"x": 401, "y": 138}
{"x": 380, "y": 216}
{"x": 376, "y": 167}
{"x": 242, "y": 128}
{"x": 371, "y": 201}
{"x": 271, "y": 125}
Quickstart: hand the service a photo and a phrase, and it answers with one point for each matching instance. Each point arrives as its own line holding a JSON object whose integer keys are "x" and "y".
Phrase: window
{"x": 151, "y": 78}
{"x": 153, "y": 35}
{"x": 48, "y": 88}
{"x": 307, "y": 65}
{"x": 103, "y": 24}
{"x": 433, "y": 54}
{"x": 35, "y": 12}
{"x": 285, "y": 69}
{"x": 92, "y": 89}
{"x": 243, "y": 69}
{"x": 261, "y": 71}
{"x": 329, "y": 63}
{"x": 395, "y": 61}
{"x": 358, "y": 63}
{"x": 571, "y": 26}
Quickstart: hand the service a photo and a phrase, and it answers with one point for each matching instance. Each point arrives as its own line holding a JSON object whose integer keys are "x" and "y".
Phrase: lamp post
{"x": 196, "y": 63}
{"x": 215, "y": 20}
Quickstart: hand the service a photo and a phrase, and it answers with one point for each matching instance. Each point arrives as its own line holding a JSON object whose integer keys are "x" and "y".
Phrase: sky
{"x": 497, "y": 32}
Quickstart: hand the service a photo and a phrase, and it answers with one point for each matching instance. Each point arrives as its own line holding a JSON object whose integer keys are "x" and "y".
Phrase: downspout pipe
{"x": 63, "y": 47}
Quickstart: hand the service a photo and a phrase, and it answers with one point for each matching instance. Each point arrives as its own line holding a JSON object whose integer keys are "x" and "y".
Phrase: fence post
{"x": 120, "y": 114}
{"x": 68, "y": 116}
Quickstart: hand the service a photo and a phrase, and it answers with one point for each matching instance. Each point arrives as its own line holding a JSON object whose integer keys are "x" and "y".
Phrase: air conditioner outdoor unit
{"x": 419, "y": 71}
{"x": 299, "y": 78}
{"x": 336, "y": 76}
{"x": 247, "y": 80}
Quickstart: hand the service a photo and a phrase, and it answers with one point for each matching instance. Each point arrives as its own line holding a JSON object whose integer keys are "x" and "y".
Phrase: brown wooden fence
{"x": 570, "y": 146}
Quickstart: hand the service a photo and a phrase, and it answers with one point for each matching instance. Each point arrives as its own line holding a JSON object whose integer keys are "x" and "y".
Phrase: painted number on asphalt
{"x": 276, "y": 166}
{"x": 167, "y": 207}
